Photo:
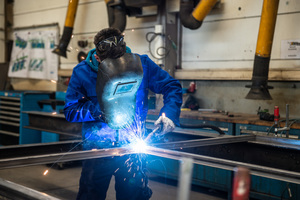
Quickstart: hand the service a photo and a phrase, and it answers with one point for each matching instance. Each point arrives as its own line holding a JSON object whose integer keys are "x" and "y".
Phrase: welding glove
{"x": 167, "y": 125}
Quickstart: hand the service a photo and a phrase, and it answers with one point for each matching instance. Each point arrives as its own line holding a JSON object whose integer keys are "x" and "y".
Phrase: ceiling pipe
{"x": 192, "y": 18}
{"x": 68, "y": 29}
{"x": 259, "y": 88}
{"x": 116, "y": 14}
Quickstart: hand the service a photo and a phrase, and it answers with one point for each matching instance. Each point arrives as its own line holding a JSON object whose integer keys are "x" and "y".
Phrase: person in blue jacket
{"x": 81, "y": 105}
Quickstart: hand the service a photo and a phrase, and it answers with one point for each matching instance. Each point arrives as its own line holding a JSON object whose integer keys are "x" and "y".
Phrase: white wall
{"x": 91, "y": 17}
{"x": 2, "y": 35}
{"x": 227, "y": 38}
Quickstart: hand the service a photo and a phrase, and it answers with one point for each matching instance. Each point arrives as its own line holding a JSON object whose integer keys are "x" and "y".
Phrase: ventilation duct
{"x": 259, "y": 88}
{"x": 68, "y": 29}
{"x": 192, "y": 18}
{"x": 116, "y": 14}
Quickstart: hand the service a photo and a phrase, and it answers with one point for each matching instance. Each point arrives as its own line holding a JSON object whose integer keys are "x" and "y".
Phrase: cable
{"x": 150, "y": 40}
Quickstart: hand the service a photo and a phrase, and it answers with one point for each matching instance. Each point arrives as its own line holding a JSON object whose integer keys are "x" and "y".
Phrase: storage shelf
{"x": 9, "y": 123}
{"x": 10, "y": 98}
{"x": 10, "y": 133}
{"x": 10, "y": 118}
{"x": 10, "y": 103}
{"x": 10, "y": 108}
{"x": 9, "y": 113}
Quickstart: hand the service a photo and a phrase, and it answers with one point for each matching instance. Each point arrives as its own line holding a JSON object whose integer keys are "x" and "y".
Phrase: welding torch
{"x": 157, "y": 129}
{"x": 152, "y": 133}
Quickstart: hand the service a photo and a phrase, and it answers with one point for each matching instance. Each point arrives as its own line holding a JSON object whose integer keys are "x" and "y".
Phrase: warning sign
{"x": 290, "y": 49}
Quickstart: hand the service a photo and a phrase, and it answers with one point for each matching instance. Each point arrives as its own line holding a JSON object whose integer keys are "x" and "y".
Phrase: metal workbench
{"x": 274, "y": 163}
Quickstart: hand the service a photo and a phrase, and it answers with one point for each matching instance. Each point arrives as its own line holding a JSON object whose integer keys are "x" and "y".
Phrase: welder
{"x": 88, "y": 101}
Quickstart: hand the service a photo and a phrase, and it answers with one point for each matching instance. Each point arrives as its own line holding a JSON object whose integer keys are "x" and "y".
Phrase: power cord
{"x": 150, "y": 36}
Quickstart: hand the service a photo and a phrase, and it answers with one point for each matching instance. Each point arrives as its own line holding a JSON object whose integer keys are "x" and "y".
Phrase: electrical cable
{"x": 164, "y": 49}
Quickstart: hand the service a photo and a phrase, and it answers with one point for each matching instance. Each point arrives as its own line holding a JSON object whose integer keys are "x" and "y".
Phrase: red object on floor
{"x": 241, "y": 184}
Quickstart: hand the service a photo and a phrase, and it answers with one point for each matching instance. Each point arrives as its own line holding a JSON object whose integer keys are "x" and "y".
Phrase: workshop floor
{"x": 63, "y": 184}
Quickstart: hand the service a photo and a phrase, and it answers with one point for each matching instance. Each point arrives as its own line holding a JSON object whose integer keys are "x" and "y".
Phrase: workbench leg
{"x": 230, "y": 184}
{"x": 231, "y": 129}
{"x": 237, "y": 129}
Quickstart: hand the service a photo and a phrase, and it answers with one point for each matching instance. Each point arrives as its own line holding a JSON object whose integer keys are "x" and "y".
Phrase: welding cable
{"x": 215, "y": 128}
{"x": 150, "y": 40}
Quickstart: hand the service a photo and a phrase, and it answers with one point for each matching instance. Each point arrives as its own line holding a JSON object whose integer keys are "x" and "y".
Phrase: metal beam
{"x": 10, "y": 190}
{"x": 269, "y": 172}
{"x": 23, "y": 155}
{"x": 61, "y": 157}
{"x": 206, "y": 142}
{"x": 34, "y": 159}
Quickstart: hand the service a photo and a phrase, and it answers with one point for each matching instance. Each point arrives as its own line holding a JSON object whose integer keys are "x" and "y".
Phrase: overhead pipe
{"x": 259, "y": 88}
{"x": 192, "y": 18}
{"x": 68, "y": 29}
{"x": 116, "y": 14}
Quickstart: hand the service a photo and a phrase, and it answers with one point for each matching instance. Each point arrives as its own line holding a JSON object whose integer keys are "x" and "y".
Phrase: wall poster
{"x": 32, "y": 55}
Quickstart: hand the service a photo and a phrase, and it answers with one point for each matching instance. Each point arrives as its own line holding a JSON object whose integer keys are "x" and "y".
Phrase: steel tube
{"x": 206, "y": 142}
{"x": 258, "y": 170}
{"x": 269, "y": 172}
{"x": 10, "y": 190}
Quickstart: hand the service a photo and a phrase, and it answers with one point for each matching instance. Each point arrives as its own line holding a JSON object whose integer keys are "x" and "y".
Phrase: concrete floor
{"x": 63, "y": 184}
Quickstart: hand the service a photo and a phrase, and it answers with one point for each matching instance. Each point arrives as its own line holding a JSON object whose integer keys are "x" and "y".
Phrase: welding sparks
{"x": 139, "y": 146}
{"x": 46, "y": 172}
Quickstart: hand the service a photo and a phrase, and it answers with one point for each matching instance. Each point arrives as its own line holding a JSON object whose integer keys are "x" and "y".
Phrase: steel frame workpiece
{"x": 166, "y": 150}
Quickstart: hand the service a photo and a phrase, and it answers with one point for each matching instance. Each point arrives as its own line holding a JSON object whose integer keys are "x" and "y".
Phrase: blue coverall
{"x": 81, "y": 105}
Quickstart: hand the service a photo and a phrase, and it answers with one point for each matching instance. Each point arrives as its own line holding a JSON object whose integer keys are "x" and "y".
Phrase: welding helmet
{"x": 118, "y": 81}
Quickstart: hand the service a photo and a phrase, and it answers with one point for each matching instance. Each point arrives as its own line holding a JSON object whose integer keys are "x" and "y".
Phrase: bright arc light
{"x": 139, "y": 146}
{"x": 46, "y": 172}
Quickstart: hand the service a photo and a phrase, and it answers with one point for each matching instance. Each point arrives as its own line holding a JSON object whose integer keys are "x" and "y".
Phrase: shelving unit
{"x": 12, "y": 120}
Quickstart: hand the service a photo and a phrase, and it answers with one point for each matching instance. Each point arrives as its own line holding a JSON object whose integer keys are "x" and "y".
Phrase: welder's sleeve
{"x": 78, "y": 106}
{"x": 161, "y": 82}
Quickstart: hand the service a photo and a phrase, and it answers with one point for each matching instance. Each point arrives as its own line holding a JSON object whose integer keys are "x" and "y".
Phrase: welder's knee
{"x": 146, "y": 193}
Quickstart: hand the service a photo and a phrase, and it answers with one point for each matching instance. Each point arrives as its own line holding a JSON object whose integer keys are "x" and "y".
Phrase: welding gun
{"x": 152, "y": 133}
{"x": 158, "y": 129}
